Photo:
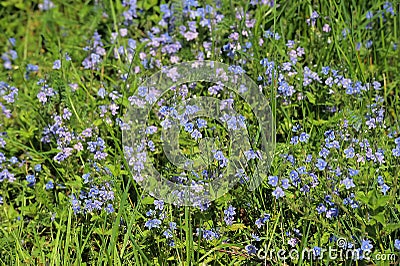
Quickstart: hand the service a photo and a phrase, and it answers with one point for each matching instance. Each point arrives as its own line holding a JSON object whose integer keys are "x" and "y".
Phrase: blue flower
{"x": 285, "y": 183}
{"x": 201, "y": 123}
{"x": 396, "y": 151}
{"x": 324, "y": 152}
{"x": 31, "y": 180}
{"x": 397, "y": 244}
{"x": 349, "y": 152}
{"x": 251, "y": 154}
{"x": 294, "y": 140}
{"x": 255, "y": 237}
{"x": 49, "y": 185}
{"x": 38, "y": 167}
{"x": 189, "y": 127}
{"x": 251, "y": 249}
{"x": 159, "y": 204}
{"x": 304, "y": 137}
{"x": 278, "y": 193}
{"x": 325, "y": 70}
{"x": 172, "y": 225}
{"x": 317, "y": 251}
{"x": 218, "y": 155}
{"x": 196, "y": 134}
{"x": 321, "y": 208}
{"x": 380, "y": 180}
{"x": 366, "y": 245}
{"x": 321, "y": 164}
{"x": 385, "y": 189}
{"x": 57, "y": 64}
{"x": 153, "y": 223}
{"x": 332, "y": 212}
{"x": 167, "y": 233}
{"x": 229, "y": 215}
{"x": 230, "y": 211}
{"x": 353, "y": 172}
{"x": 273, "y": 181}
{"x": 348, "y": 182}
{"x": 101, "y": 93}
{"x": 109, "y": 208}
{"x": 295, "y": 177}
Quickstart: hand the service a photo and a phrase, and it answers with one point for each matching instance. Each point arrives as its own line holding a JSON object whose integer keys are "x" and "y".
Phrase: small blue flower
{"x": 353, "y": 172}
{"x": 255, "y": 237}
{"x": 366, "y": 245}
{"x": 380, "y": 180}
{"x": 321, "y": 164}
{"x": 167, "y": 234}
{"x": 201, "y": 123}
{"x": 397, "y": 244}
{"x": 38, "y": 167}
{"x": 109, "y": 208}
{"x": 332, "y": 212}
{"x": 348, "y": 182}
{"x": 385, "y": 188}
{"x": 396, "y": 151}
{"x": 31, "y": 180}
{"x": 229, "y": 215}
{"x": 196, "y": 134}
{"x": 172, "y": 225}
{"x": 294, "y": 140}
{"x": 317, "y": 251}
{"x": 86, "y": 178}
{"x": 324, "y": 152}
{"x": 278, "y": 193}
{"x": 251, "y": 249}
{"x": 325, "y": 70}
{"x": 57, "y": 64}
{"x": 304, "y": 137}
{"x": 101, "y": 93}
{"x": 189, "y": 127}
{"x": 321, "y": 208}
{"x": 49, "y": 185}
{"x": 273, "y": 181}
{"x": 153, "y": 223}
{"x": 159, "y": 204}
{"x": 285, "y": 183}
{"x": 349, "y": 152}
{"x": 230, "y": 211}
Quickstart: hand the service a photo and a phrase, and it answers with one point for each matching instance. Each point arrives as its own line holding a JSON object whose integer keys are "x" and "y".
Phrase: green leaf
{"x": 380, "y": 217}
{"x": 389, "y": 228}
{"x": 382, "y": 201}
{"x": 238, "y": 226}
{"x": 148, "y": 200}
{"x": 310, "y": 97}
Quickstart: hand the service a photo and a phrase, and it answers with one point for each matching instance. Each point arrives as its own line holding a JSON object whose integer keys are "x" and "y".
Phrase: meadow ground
{"x": 77, "y": 164}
